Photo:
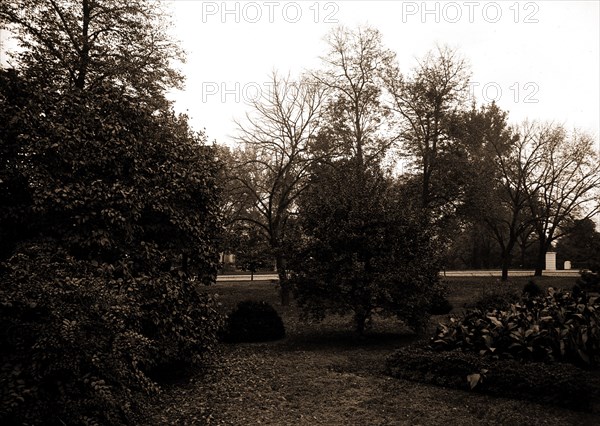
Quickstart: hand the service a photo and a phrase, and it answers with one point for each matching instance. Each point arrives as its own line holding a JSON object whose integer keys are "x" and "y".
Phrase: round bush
{"x": 440, "y": 305}
{"x": 531, "y": 289}
{"x": 253, "y": 321}
{"x": 589, "y": 281}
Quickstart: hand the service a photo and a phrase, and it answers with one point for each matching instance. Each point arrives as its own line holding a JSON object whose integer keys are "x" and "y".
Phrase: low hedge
{"x": 555, "y": 384}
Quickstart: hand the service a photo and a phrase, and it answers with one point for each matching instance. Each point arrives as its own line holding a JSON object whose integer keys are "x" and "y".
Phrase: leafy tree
{"x": 88, "y": 44}
{"x": 253, "y": 250}
{"x": 363, "y": 252}
{"x": 498, "y": 166}
{"x": 109, "y": 216}
{"x": 473, "y": 247}
{"x": 581, "y": 246}
{"x": 527, "y": 252}
{"x": 117, "y": 205}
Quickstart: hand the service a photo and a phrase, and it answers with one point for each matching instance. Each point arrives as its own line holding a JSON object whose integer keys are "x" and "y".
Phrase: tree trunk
{"x": 360, "y": 321}
{"x": 475, "y": 254}
{"x": 540, "y": 263}
{"x": 284, "y": 286}
{"x": 84, "y": 54}
{"x": 505, "y": 266}
{"x": 506, "y": 257}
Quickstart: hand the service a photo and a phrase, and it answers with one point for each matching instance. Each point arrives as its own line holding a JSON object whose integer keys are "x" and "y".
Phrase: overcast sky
{"x": 537, "y": 59}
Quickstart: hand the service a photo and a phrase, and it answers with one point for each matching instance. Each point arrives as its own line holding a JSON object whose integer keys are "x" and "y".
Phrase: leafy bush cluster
{"x": 80, "y": 339}
{"x": 440, "y": 305}
{"x": 531, "y": 289}
{"x": 108, "y": 224}
{"x": 556, "y": 327}
{"x": 253, "y": 321}
{"x": 554, "y": 384}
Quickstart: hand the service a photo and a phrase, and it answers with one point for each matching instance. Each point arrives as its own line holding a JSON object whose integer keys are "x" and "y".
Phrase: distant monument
{"x": 551, "y": 261}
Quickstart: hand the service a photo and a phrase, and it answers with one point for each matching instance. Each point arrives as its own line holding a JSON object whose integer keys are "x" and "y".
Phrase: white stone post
{"x": 551, "y": 261}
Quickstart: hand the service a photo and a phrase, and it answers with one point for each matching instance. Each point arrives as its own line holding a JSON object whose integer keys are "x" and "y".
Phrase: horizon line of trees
{"x": 466, "y": 170}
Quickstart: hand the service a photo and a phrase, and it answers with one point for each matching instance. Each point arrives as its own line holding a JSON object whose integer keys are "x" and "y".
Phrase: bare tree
{"x": 545, "y": 180}
{"x": 564, "y": 185}
{"x": 504, "y": 207}
{"x": 272, "y": 169}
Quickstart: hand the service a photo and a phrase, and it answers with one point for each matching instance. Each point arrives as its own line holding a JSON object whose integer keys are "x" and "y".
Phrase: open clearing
{"x": 322, "y": 374}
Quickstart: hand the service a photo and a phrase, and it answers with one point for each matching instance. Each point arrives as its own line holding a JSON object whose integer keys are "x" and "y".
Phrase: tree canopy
{"x": 109, "y": 217}
{"x": 88, "y": 44}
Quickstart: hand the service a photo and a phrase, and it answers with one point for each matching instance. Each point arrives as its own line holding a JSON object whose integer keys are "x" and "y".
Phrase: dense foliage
{"x": 440, "y": 305}
{"x": 81, "y": 338}
{"x": 252, "y": 252}
{"x": 589, "y": 281}
{"x": 88, "y": 44}
{"x": 108, "y": 224}
{"x": 555, "y": 327}
{"x": 362, "y": 253}
{"x": 104, "y": 174}
{"x": 581, "y": 246}
{"x": 253, "y": 321}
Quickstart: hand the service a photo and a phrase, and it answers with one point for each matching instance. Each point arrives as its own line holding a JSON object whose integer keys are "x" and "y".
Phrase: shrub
{"x": 558, "y": 327}
{"x": 79, "y": 338}
{"x": 108, "y": 223}
{"x": 531, "y": 289}
{"x": 253, "y": 321}
{"x": 589, "y": 281}
{"x": 554, "y": 384}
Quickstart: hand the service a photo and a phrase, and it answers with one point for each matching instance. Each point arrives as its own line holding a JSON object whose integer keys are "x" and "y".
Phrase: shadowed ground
{"x": 322, "y": 374}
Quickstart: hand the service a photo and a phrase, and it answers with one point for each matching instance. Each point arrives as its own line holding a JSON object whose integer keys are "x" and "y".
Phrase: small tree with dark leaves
{"x": 362, "y": 252}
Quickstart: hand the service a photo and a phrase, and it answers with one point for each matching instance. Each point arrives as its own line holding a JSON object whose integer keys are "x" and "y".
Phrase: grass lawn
{"x": 322, "y": 374}
{"x": 465, "y": 290}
